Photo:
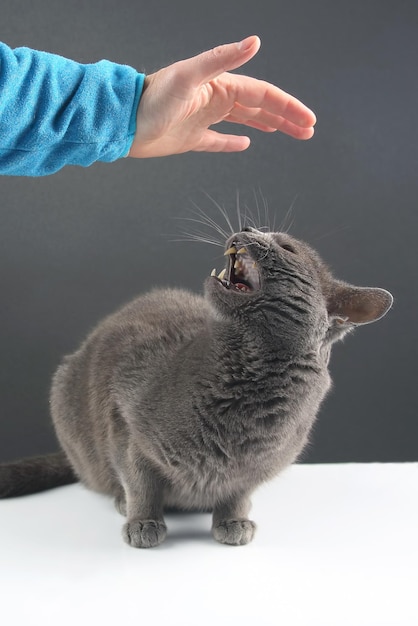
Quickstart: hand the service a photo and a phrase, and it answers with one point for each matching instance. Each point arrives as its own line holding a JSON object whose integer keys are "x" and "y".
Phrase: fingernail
{"x": 246, "y": 43}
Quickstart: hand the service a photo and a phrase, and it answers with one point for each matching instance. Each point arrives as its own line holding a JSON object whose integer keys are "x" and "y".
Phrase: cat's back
{"x": 149, "y": 329}
{"x": 154, "y": 313}
{"x": 143, "y": 334}
{"x": 125, "y": 351}
{"x": 162, "y": 317}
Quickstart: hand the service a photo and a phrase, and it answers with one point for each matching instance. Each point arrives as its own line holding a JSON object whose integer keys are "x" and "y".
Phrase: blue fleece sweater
{"x": 56, "y": 112}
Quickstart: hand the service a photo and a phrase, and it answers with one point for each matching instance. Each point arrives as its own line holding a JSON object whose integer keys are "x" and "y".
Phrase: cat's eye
{"x": 288, "y": 247}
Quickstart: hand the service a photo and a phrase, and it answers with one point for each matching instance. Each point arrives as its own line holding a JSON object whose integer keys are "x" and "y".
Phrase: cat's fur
{"x": 191, "y": 402}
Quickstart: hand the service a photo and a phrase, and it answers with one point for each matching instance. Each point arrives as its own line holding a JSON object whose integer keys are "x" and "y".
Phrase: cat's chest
{"x": 235, "y": 430}
{"x": 201, "y": 484}
{"x": 215, "y": 471}
{"x": 241, "y": 452}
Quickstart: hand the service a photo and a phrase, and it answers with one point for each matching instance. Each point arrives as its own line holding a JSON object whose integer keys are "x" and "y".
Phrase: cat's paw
{"x": 146, "y": 533}
{"x": 234, "y": 532}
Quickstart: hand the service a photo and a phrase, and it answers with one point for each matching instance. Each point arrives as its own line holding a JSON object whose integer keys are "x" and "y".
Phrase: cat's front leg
{"x": 230, "y": 521}
{"x": 145, "y": 527}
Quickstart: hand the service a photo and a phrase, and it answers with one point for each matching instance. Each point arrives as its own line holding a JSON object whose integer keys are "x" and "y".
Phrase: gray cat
{"x": 188, "y": 402}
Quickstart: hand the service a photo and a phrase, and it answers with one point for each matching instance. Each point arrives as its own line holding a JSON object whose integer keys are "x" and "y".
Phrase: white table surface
{"x": 336, "y": 545}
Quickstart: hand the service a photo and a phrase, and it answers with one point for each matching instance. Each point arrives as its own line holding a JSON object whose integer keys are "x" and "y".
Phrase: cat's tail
{"x": 35, "y": 474}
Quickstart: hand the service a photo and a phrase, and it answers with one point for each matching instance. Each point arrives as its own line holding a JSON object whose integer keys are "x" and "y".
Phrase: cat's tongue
{"x": 242, "y": 287}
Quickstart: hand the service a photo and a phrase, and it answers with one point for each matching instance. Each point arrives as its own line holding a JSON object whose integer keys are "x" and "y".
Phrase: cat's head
{"x": 277, "y": 277}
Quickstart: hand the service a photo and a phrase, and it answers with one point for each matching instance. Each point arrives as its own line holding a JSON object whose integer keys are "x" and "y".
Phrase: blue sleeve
{"x": 56, "y": 112}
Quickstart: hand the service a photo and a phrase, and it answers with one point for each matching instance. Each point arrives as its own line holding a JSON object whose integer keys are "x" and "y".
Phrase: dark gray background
{"x": 76, "y": 245}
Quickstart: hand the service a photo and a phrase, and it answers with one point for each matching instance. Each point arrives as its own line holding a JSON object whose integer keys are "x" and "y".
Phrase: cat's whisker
{"x": 248, "y": 219}
{"x": 334, "y": 231}
{"x": 257, "y": 206}
{"x": 274, "y": 223}
{"x": 239, "y": 212}
{"x": 201, "y": 238}
{"x": 222, "y": 211}
{"x": 245, "y": 216}
{"x": 266, "y": 210}
{"x": 211, "y": 222}
{"x": 204, "y": 223}
{"x": 283, "y": 227}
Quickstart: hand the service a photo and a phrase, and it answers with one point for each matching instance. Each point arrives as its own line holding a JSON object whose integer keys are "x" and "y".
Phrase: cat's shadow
{"x": 188, "y": 527}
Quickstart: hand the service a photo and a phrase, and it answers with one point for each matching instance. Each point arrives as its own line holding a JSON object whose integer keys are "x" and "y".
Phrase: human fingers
{"x": 267, "y": 122}
{"x": 212, "y": 141}
{"x": 297, "y": 132}
{"x": 204, "y": 67}
{"x": 258, "y": 94}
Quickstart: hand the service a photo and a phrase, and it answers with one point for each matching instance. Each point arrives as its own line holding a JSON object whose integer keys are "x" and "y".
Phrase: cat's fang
{"x": 221, "y": 275}
{"x": 213, "y": 272}
{"x": 242, "y": 251}
{"x": 231, "y": 250}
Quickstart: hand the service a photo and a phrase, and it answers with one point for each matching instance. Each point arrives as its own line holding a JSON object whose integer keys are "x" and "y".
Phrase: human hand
{"x": 180, "y": 102}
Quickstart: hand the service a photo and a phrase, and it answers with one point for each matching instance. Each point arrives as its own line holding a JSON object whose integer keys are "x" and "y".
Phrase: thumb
{"x": 208, "y": 65}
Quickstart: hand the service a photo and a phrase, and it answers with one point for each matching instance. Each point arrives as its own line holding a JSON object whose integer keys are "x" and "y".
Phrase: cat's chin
{"x": 225, "y": 299}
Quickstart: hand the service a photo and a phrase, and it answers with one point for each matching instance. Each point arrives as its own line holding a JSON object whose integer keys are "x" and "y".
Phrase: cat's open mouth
{"x": 241, "y": 272}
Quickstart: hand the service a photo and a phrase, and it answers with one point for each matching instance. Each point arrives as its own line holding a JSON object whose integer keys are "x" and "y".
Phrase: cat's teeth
{"x": 237, "y": 265}
{"x": 242, "y": 251}
{"x": 221, "y": 276}
{"x": 232, "y": 250}
{"x": 213, "y": 272}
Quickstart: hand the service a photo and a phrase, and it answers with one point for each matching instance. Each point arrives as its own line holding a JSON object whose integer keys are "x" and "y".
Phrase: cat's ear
{"x": 358, "y": 305}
